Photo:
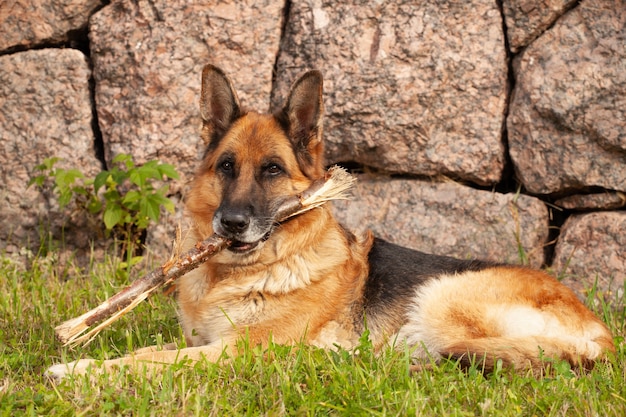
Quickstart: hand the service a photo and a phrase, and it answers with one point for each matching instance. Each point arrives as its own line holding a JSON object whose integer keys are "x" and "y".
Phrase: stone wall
{"x": 481, "y": 128}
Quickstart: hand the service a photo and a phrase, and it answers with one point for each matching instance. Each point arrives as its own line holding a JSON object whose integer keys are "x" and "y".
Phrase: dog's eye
{"x": 273, "y": 169}
{"x": 226, "y": 166}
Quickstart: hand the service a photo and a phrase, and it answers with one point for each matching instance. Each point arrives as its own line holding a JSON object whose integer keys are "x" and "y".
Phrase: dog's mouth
{"x": 243, "y": 247}
{"x": 240, "y": 247}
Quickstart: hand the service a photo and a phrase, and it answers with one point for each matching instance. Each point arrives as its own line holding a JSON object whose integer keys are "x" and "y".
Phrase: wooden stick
{"x": 72, "y": 332}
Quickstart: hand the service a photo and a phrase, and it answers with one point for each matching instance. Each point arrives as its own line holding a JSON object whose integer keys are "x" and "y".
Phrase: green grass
{"x": 279, "y": 381}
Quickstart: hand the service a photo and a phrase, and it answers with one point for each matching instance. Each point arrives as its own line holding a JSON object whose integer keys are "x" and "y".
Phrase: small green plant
{"x": 127, "y": 197}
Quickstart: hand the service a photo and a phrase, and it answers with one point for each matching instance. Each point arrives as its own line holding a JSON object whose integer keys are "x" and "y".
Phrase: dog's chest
{"x": 221, "y": 317}
{"x": 211, "y": 310}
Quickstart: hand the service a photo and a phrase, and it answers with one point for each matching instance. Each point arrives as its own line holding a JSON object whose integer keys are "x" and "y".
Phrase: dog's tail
{"x": 529, "y": 353}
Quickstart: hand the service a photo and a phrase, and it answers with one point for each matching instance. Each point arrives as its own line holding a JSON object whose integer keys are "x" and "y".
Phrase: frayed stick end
{"x": 70, "y": 330}
{"x": 337, "y": 183}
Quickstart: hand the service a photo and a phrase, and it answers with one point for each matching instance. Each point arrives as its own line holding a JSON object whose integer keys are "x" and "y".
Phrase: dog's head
{"x": 253, "y": 161}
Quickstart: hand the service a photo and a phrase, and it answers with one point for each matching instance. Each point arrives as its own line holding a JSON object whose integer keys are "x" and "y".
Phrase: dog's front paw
{"x": 61, "y": 370}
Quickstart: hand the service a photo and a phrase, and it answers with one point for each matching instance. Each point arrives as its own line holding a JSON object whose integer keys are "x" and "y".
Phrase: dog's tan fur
{"x": 310, "y": 280}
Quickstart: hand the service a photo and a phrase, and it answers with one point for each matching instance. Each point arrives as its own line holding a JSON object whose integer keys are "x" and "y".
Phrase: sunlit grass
{"x": 278, "y": 381}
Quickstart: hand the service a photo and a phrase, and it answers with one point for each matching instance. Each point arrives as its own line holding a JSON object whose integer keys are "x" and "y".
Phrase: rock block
{"x": 409, "y": 87}
{"x": 449, "y": 219}
{"x": 45, "y": 111}
{"x": 148, "y": 59}
{"x": 590, "y": 250}
{"x": 567, "y": 124}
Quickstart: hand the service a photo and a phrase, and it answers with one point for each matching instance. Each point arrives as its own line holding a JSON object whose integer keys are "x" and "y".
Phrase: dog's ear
{"x": 302, "y": 115}
{"x": 219, "y": 105}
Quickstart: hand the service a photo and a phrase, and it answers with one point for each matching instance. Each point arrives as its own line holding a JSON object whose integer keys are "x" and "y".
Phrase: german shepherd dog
{"x": 310, "y": 280}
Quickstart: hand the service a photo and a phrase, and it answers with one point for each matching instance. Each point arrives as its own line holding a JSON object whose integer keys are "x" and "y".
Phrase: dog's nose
{"x": 235, "y": 222}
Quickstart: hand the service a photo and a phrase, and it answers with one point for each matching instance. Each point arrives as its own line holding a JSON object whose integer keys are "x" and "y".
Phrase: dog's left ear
{"x": 302, "y": 115}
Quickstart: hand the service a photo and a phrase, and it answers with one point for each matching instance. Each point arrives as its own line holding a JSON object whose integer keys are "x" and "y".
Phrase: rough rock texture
{"x": 26, "y": 23}
{"x": 148, "y": 57}
{"x": 45, "y": 111}
{"x": 567, "y": 123}
{"x": 410, "y": 87}
{"x": 604, "y": 201}
{"x": 449, "y": 219}
{"x": 591, "y": 246}
{"x": 527, "y": 19}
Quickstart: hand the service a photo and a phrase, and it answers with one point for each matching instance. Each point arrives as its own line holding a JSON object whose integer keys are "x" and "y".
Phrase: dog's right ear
{"x": 219, "y": 105}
